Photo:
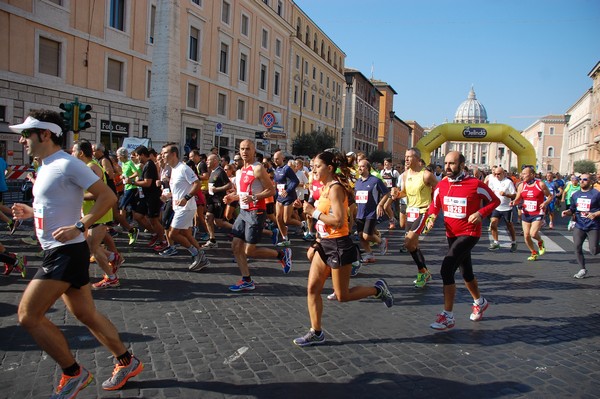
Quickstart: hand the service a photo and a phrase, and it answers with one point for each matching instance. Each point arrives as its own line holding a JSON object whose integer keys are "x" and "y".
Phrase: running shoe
{"x": 571, "y": 225}
{"x": 15, "y": 225}
{"x": 311, "y": 338}
{"x": 513, "y": 247}
{"x": 69, "y": 386}
{"x": 116, "y": 262}
{"x": 29, "y": 240}
{"x": 154, "y": 240}
{"x": 242, "y": 286}
{"x": 494, "y": 246}
{"x": 478, "y": 310}
{"x": 161, "y": 246}
{"x": 533, "y": 257}
{"x": 21, "y": 265}
{"x": 332, "y": 297}
{"x": 286, "y": 261}
{"x": 551, "y": 225}
{"x": 170, "y": 251}
{"x": 581, "y": 273}
{"x": 304, "y": 226}
{"x": 275, "y": 235}
{"x": 385, "y": 294}
{"x": 542, "y": 248}
{"x": 403, "y": 249}
{"x": 422, "y": 279}
{"x": 383, "y": 246}
{"x": 392, "y": 224}
{"x": 121, "y": 374}
{"x": 204, "y": 237}
{"x": 284, "y": 243}
{"x": 209, "y": 245}
{"x": 199, "y": 262}
{"x": 133, "y": 235}
{"x": 443, "y": 322}
{"x": 308, "y": 236}
{"x": 368, "y": 258}
{"x": 106, "y": 282}
{"x": 355, "y": 268}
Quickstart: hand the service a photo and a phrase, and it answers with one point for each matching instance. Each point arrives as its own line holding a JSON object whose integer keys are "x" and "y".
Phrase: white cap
{"x": 32, "y": 123}
{"x": 350, "y": 154}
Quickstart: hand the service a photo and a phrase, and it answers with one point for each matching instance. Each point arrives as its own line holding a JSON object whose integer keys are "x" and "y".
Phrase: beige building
{"x": 578, "y": 142}
{"x": 199, "y": 72}
{"x": 594, "y": 133}
{"x": 546, "y": 137}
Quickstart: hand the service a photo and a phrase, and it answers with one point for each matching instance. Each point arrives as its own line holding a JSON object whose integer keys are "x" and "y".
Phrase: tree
{"x": 584, "y": 166}
{"x": 312, "y": 143}
{"x": 378, "y": 156}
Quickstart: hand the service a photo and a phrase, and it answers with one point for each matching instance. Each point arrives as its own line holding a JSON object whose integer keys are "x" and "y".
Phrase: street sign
{"x": 259, "y": 135}
{"x": 268, "y": 120}
{"x": 219, "y": 129}
{"x": 265, "y": 142}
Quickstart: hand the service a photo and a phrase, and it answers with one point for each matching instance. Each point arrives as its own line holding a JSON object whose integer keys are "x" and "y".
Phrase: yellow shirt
{"x": 418, "y": 194}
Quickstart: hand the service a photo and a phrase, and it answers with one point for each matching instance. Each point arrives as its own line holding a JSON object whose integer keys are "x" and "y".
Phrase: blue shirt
{"x": 286, "y": 180}
{"x": 368, "y": 194}
{"x": 3, "y": 166}
{"x": 582, "y": 203}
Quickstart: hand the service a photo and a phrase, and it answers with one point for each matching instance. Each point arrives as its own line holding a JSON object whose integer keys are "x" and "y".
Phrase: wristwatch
{"x": 80, "y": 226}
{"x": 254, "y": 199}
{"x": 187, "y": 197}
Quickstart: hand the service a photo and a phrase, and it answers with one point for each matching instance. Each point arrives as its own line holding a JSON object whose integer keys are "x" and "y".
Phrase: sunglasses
{"x": 28, "y": 132}
{"x": 585, "y": 179}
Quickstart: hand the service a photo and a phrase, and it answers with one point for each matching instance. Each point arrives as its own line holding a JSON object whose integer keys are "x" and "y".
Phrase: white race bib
{"x": 242, "y": 204}
{"x": 362, "y": 197}
{"x": 584, "y": 204}
{"x": 38, "y": 217}
{"x": 388, "y": 182}
{"x": 530, "y": 206}
{"x": 211, "y": 188}
{"x": 280, "y": 188}
{"x": 455, "y": 207}
{"x": 320, "y": 226}
{"x": 412, "y": 213}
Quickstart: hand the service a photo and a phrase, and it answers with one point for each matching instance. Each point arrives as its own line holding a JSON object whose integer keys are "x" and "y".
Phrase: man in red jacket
{"x": 460, "y": 196}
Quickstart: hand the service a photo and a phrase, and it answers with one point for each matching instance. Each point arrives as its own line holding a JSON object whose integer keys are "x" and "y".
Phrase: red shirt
{"x": 249, "y": 185}
{"x": 460, "y": 199}
{"x": 533, "y": 196}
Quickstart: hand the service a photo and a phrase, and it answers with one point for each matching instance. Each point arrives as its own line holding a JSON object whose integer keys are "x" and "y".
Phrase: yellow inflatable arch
{"x": 478, "y": 132}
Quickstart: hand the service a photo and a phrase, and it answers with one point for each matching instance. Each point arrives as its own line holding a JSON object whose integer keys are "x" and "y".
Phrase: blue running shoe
{"x": 275, "y": 235}
{"x": 242, "y": 286}
{"x": 385, "y": 295}
{"x": 286, "y": 261}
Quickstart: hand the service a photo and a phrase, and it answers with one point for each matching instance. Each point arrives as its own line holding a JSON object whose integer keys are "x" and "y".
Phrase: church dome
{"x": 471, "y": 111}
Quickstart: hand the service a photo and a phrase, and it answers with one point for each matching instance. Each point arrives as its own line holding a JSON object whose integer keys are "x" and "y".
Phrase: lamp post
{"x": 347, "y": 129}
{"x": 540, "y": 150}
{"x": 391, "y": 134}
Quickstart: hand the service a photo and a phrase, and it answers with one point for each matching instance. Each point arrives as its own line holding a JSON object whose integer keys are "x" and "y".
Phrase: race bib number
{"x": 280, "y": 188}
{"x": 584, "y": 204}
{"x": 388, "y": 182}
{"x": 455, "y": 207}
{"x": 362, "y": 197}
{"x": 320, "y": 226}
{"x": 242, "y": 204}
{"x": 412, "y": 214}
{"x": 530, "y": 206}
{"x": 211, "y": 188}
{"x": 38, "y": 217}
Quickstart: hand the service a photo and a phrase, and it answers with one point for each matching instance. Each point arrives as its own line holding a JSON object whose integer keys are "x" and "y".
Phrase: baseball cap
{"x": 350, "y": 154}
{"x": 32, "y": 123}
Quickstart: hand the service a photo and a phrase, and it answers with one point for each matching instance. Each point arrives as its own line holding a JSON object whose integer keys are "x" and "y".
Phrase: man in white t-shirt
{"x": 183, "y": 185}
{"x": 64, "y": 272}
{"x": 504, "y": 189}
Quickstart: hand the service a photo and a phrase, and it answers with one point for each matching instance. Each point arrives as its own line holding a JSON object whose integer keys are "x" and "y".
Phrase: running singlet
{"x": 326, "y": 231}
{"x": 533, "y": 197}
{"x": 459, "y": 199}
{"x": 88, "y": 204}
{"x": 247, "y": 184}
{"x": 418, "y": 195}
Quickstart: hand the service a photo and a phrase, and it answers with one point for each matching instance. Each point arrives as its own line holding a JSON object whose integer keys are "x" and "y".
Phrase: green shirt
{"x": 129, "y": 169}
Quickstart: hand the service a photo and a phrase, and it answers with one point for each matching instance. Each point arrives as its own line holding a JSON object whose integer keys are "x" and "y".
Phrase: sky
{"x": 525, "y": 59}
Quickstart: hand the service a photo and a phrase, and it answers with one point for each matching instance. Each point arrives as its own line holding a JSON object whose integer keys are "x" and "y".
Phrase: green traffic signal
{"x": 67, "y": 115}
{"x": 84, "y": 116}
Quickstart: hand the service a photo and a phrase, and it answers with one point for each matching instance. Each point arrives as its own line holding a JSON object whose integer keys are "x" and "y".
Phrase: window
{"x": 148, "y": 83}
{"x": 194, "y": 44}
{"x": 223, "y": 58}
{"x": 117, "y": 14}
{"x": 222, "y": 104}
{"x": 265, "y": 39}
{"x": 263, "y": 77}
{"x": 198, "y": 2}
{"x": 326, "y": 109}
{"x": 304, "y": 99}
{"x": 550, "y": 152}
{"x": 321, "y": 79}
{"x": 306, "y": 67}
{"x": 241, "y": 114}
{"x": 327, "y": 82}
{"x": 261, "y": 112}
{"x": 243, "y": 66}
{"x": 314, "y": 72}
{"x": 277, "y": 47}
{"x": 152, "y": 23}
{"x": 297, "y": 61}
{"x": 320, "y": 105}
{"x": 551, "y": 130}
{"x": 280, "y": 8}
{"x": 245, "y": 25}
{"x": 49, "y": 57}
{"x": 312, "y": 102}
{"x": 295, "y": 94}
{"x": 225, "y": 11}
{"x": 192, "y": 96}
{"x": 276, "y": 84}
{"x": 57, "y": 2}
{"x": 114, "y": 76}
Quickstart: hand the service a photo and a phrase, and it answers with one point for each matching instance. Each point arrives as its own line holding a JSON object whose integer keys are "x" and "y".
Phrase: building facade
{"x": 594, "y": 135}
{"x": 546, "y": 137}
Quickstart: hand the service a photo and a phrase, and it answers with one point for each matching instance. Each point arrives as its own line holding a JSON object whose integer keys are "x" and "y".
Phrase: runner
{"x": 334, "y": 252}
{"x": 218, "y": 185}
{"x": 286, "y": 182}
{"x": 505, "y": 190}
{"x": 390, "y": 177}
{"x": 459, "y": 197}
{"x": 536, "y": 197}
{"x": 253, "y": 186}
{"x": 585, "y": 205}
{"x": 58, "y": 195}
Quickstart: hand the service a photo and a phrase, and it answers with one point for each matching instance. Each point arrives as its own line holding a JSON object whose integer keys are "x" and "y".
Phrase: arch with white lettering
{"x": 478, "y": 132}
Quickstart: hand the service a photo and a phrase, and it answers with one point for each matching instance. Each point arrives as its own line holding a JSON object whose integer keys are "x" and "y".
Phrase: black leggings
{"x": 458, "y": 256}
{"x": 579, "y": 237}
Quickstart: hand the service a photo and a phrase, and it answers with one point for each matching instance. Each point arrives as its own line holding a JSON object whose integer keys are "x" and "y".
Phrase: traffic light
{"x": 67, "y": 115}
{"x": 84, "y": 116}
